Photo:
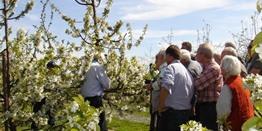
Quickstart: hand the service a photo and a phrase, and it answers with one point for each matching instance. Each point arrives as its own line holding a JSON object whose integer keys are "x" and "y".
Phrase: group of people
{"x": 205, "y": 87}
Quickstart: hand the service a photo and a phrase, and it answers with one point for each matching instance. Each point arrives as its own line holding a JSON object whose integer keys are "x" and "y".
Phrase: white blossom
{"x": 124, "y": 108}
{"x": 92, "y": 125}
{"x": 44, "y": 121}
{"x": 74, "y": 107}
{"x": 254, "y": 84}
{"x": 191, "y": 126}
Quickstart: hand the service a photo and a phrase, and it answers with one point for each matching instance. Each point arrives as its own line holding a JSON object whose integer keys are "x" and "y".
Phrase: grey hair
{"x": 230, "y": 50}
{"x": 162, "y": 52}
{"x": 231, "y": 66}
{"x": 185, "y": 55}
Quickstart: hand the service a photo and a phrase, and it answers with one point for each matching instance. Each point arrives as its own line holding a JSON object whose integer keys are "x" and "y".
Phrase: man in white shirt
{"x": 95, "y": 83}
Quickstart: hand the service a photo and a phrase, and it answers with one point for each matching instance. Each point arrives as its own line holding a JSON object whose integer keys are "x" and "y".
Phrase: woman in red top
{"x": 234, "y": 104}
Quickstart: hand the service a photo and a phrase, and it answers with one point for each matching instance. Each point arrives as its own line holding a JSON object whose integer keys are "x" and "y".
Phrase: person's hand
{"x": 194, "y": 111}
{"x": 161, "y": 109}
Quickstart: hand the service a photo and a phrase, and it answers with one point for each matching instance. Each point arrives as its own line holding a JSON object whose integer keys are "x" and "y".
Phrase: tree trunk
{"x": 5, "y": 71}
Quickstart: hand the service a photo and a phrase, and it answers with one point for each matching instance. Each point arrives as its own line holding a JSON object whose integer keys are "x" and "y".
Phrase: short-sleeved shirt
{"x": 179, "y": 83}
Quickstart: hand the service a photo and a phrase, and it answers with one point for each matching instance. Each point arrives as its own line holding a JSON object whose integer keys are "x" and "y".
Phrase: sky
{"x": 181, "y": 17}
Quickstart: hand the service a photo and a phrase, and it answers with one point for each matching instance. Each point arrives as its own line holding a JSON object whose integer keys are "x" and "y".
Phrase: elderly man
{"x": 155, "y": 87}
{"x": 228, "y": 51}
{"x": 208, "y": 86}
{"x": 95, "y": 83}
{"x": 234, "y": 103}
{"x": 193, "y": 67}
{"x": 188, "y": 46}
{"x": 230, "y": 44}
{"x": 195, "y": 70}
{"x": 176, "y": 93}
{"x": 232, "y": 52}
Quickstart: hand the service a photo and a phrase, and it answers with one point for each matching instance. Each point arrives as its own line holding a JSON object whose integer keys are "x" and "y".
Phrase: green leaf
{"x": 258, "y": 105}
{"x": 253, "y": 122}
{"x": 257, "y": 41}
{"x": 74, "y": 129}
{"x": 259, "y": 6}
{"x": 79, "y": 99}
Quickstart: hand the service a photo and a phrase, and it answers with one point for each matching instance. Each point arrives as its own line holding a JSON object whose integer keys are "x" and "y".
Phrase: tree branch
{"x": 28, "y": 7}
{"x": 81, "y": 3}
{"x": 98, "y": 4}
{"x": 80, "y": 35}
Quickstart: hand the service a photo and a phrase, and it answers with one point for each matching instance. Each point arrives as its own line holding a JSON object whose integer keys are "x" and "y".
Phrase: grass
{"x": 144, "y": 114}
{"x": 125, "y": 125}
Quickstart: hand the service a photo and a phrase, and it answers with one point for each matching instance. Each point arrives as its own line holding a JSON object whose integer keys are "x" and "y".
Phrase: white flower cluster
{"x": 92, "y": 125}
{"x": 81, "y": 115}
{"x": 254, "y": 83}
{"x": 74, "y": 107}
{"x": 192, "y": 126}
{"x": 41, "y": 121}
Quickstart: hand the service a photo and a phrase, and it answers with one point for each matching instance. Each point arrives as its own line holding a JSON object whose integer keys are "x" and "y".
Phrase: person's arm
{"x": 206, "y": 78}
{"x": 224, "y": 103}
{"x": 162, "y": 99}
{"x": 102, "y": 77}
{"x": 167, "y": 81}
{"x": 156, "y": 85}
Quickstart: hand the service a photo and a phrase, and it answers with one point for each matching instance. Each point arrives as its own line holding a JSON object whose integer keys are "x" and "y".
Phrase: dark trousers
{"x": 97, "y": 103}
{"x": 154, "y": 121}
{"x": 170, "y": 120}
{"x": 207, "y": 115}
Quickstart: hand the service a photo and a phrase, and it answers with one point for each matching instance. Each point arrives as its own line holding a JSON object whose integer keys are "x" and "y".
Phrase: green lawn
{"x": 125, "y": 125}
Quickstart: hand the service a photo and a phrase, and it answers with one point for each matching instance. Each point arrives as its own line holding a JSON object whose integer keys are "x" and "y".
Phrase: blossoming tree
{"x": 46, "y": 73}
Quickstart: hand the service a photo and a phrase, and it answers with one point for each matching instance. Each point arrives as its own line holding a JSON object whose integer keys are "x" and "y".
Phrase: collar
{"x": 163, "y": 65}
{"x": 205, "y": 65}
{"x": 188, "y": 63}
{"x": 232, "y": 78}
{"x": 176, "y": 61}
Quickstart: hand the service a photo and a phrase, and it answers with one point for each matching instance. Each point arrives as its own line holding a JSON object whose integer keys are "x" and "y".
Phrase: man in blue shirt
{"x": 95, "y": 83}
{"x": 176, "y": 93}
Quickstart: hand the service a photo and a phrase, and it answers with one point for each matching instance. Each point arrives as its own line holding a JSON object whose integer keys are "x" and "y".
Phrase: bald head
{"x": 228, "y": 51}
{"x": 206, "y": 50}
{"x": 230, "y": 44}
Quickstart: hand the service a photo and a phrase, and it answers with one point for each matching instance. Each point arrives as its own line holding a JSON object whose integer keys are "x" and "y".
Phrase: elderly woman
{"x": 231, "y": 51}
{"x": 155, "y": 87}
{"x": 234, "y": 104}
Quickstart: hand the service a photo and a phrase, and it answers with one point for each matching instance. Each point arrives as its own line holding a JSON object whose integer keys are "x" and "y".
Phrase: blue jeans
{"x": 170, "y": 120}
